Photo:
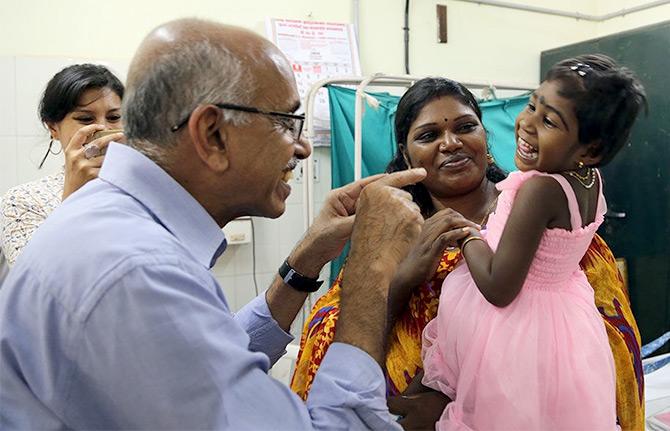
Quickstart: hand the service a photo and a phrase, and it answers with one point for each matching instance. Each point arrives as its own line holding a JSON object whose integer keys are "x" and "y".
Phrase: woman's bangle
{"x": 470, "y": 238}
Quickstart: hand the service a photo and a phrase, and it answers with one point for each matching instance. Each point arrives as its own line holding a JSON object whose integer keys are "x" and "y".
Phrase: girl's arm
{"x": 500, "y": 275}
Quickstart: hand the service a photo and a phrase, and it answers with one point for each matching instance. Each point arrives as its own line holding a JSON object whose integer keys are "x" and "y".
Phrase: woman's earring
{"x": 580, "y": 165}
{"x": 51, "y": 142}
{"x": 489, "y": 158}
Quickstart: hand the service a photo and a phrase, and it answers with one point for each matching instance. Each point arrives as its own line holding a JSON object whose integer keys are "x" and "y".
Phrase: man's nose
{"x": 302, "y": 148}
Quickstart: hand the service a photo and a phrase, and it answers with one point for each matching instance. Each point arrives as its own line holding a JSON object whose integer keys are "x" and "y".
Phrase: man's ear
{"x": 209, "y": 135}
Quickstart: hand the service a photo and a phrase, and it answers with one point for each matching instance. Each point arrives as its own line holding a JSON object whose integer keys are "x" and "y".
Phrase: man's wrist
{"x": 304, "y": 260}
{"x": 363, "y": 304}
{"x": 297, "y": 280}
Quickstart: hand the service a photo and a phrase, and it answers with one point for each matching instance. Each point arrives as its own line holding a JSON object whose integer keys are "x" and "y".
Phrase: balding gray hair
{"x": 168, "y": 90}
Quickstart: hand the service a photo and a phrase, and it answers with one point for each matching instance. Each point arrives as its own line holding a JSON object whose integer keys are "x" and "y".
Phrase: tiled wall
{"x": 23, "y": 142}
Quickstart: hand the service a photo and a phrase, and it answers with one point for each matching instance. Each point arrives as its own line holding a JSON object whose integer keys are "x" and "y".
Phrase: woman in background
{"x": 78, "y": 101}
{"x": 447, "y": 121}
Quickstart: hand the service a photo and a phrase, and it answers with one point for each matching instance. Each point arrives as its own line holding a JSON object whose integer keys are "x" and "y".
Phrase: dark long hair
{"x": 66, "y": 87}
{"x": 412, "y": 102}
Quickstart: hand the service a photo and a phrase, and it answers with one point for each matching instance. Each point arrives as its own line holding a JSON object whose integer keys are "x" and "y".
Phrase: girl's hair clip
{"x": 580, "y": 68}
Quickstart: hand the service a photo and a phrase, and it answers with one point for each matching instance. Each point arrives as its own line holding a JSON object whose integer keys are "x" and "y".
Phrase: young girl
{"x": 518, "y": 343}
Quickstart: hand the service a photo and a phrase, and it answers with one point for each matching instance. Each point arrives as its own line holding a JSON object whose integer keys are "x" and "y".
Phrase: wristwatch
{"x": 298, "y": 281}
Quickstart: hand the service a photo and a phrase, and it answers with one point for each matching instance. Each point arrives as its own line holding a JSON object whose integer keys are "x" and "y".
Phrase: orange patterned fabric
{"x": 403, "y": 360}
{"x": 614, "y": 305}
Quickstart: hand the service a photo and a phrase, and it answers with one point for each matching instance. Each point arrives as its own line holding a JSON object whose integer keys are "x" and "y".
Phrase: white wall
{"x": 113, "y": 29}
{"x": 486, "y": 43}
{"x": 630, "y": 21}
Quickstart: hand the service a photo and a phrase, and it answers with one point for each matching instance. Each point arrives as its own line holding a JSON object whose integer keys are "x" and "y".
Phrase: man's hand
{"x": 322, "y": 243}
{"x": 388, "y": 220}
{"x": 326, "y": 237}
{"x": 386, "y": 226}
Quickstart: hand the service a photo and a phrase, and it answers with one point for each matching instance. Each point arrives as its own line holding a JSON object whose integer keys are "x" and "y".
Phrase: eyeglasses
{"x": 291, "y": 122}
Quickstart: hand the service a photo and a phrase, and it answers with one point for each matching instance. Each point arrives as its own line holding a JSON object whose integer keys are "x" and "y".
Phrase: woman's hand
{"x": 443, "y": 229}
{"x": 82, "y": 165}
{"x": 419, "y": 407}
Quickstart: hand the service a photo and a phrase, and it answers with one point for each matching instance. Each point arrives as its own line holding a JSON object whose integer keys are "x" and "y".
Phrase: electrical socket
{"x": 297, "y": 173}
{"x": 316, "y": 174}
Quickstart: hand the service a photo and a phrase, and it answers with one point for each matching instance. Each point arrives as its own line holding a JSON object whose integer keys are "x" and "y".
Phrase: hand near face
{"x": 332, "y": 227}
{"x": 387, "y": 224}
{"x": 82, "y": 165}
{"x": 387, "y": 219}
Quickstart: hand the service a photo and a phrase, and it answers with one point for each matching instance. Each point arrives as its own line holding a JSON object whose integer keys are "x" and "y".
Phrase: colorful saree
{"x": 403, "y": 360}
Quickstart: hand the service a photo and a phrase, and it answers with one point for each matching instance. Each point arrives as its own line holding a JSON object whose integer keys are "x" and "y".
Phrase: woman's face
{"x": 449, "y": 141}
{"x": 95, "y": 106}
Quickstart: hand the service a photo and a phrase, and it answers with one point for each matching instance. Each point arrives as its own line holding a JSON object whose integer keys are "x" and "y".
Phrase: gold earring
{"x": 580, "y": 164}
{"x": 490, "y": 159}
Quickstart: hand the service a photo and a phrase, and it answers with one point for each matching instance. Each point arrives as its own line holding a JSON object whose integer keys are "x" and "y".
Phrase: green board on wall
{"x": 637, "y": 181}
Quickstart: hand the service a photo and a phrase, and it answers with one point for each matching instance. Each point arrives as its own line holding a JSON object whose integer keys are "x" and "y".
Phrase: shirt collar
{"x": 174, "y": 207}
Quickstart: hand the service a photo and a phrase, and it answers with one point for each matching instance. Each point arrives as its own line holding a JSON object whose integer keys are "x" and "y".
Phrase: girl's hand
{"x": 82, "y": 164}
{"x": 443, "y": 229}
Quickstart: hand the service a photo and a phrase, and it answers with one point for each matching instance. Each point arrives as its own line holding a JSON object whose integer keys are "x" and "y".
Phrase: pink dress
{"x": 541, "y": 363}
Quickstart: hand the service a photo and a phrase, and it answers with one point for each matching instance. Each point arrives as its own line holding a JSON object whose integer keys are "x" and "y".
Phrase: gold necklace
{"x": 587, "y": 180}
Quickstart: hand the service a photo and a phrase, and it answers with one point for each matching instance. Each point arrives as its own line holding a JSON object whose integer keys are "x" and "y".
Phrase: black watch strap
{"x": 298, "y": 281}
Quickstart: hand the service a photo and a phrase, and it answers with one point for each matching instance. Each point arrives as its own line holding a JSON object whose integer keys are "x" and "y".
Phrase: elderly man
{"x": 111, "y": 318}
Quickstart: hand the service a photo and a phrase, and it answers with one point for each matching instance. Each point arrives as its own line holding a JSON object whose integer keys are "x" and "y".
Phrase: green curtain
{"x": 379, "y": 141}
{"x": 377, "y": 134}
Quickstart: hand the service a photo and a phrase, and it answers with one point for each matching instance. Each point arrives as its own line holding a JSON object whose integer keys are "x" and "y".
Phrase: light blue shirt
{"x": 112, "y": 319}
{"x": 4, "y": 267}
